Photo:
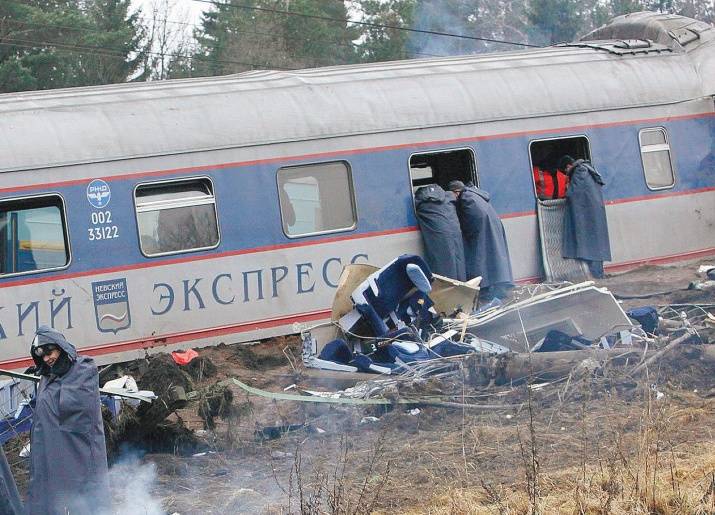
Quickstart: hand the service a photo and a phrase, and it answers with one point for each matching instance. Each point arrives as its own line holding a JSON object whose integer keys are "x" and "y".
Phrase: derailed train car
{"x": 200, "y": 211}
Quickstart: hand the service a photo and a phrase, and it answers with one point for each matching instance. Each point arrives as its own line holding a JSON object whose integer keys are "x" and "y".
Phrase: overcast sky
{"x": 181, "y": 10}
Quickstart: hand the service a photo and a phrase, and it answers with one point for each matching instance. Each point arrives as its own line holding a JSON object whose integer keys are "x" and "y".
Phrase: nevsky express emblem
{"x": 111, "y": 305}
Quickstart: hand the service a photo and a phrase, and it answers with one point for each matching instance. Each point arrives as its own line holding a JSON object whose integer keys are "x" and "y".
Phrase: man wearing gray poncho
{"x": 439, "y": 224}
{"x": 68, "y": 457}
{"x": 585, "y": 224}
{"x": 485, "y": 246}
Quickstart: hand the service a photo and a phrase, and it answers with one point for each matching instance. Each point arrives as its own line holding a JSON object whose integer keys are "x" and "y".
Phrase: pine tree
{"x": 62, "y": 43}
{"x": 312, "y": 42}
{"x": 15, "y": 75}
{"x": 122, "y": 35}
{"x": 380, "y": 43}
{"x": 271, "y": 34}
{"x": 555, "y": 21}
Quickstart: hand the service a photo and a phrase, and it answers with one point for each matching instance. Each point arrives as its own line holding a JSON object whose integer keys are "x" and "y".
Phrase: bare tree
{"x": 170, "y": 34}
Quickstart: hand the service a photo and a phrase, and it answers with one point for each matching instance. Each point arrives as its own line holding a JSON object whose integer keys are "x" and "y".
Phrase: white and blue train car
{"x": 199, "y": 211}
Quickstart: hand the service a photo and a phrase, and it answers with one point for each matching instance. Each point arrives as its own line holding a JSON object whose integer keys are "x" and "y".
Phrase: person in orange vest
{"x": 550, "y": 184}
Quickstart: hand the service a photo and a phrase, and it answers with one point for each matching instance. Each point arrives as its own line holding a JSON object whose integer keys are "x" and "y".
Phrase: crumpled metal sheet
{"x": 581, "y": 309}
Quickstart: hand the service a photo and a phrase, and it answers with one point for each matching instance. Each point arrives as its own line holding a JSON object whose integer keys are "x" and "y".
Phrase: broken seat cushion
{"x": 392, "y": 283}
{"x": 416, "y": 307}
{"x": 405, "y": 351}
{"x": 380, "y": 294}
{"x": 337, "y": 351}
{"x": 449, "y": 348}
{"x": 366, "y": 364}
{"x": 558, "y": 341}
{"x": 646, "y": 316}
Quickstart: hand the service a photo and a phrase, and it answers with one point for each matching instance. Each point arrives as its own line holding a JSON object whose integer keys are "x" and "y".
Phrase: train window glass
{"x": 33, "y": 235}
{"x": 176, "y": 216}
{"x": 442, "y": 167}
{"x": 655, "y": 154}
{"x": 316, "y": 198}
{"x": 549, "y": 181}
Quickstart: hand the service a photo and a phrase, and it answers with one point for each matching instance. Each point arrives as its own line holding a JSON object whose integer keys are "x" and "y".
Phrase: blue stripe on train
{"x": 249, "y": 214}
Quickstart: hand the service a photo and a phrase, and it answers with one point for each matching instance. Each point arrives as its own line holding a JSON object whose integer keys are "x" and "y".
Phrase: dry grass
{"x": 601, "y": 450}
{"x": 682, "y": 485}
{"x": 648, "y": 458}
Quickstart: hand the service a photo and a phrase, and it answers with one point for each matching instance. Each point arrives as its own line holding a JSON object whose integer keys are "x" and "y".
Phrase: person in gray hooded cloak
{"x": 485, "y": 247}
{"x": 68, "y": 456}
{"x": 439, "y": 224}
{"x": 585, "y": 225}
{"x": 10, "y": 503}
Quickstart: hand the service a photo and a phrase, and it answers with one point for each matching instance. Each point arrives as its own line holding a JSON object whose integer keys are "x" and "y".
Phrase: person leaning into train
{"x": 585, "y": 233}
{"x": 485, "y": 247}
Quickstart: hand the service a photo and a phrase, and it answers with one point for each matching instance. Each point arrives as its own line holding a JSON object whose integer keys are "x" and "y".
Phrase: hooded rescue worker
{"x": 485, "y": 247}
{"x": 439, "y": 225}
{"x": 68, "y": 457}
{"x": 585, "y": 225}
{"x": 10, "y": 503}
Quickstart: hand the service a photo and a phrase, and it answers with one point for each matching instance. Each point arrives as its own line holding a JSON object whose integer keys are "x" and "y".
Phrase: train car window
{"x": 176, "y": 216}
{"x": 33, "y": 235}
{"x": 655, "y": 154}
{"x": 550, "y": 182}
{"x": 316, "y": 198}
{"x": 442, "y": 167}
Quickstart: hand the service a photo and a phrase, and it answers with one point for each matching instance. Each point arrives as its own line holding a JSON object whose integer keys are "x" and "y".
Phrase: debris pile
{"x": 216, "y": 401}
{"x": 140, "y": 400}
{"x": 152, "y": 426}
{"x": 545, "y": 332}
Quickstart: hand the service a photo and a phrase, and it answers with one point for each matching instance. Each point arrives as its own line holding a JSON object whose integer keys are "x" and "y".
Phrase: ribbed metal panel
{"x": 550, "y": 214}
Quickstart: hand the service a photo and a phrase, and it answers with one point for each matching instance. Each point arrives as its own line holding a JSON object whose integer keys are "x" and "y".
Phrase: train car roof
{"x": 53, "y": 128}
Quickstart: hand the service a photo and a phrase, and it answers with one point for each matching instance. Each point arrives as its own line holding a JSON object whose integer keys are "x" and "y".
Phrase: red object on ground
{"x": 184, "y": 358}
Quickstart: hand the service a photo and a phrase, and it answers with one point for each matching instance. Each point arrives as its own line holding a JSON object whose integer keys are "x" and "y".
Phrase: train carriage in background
{"x": 199, "y": 211}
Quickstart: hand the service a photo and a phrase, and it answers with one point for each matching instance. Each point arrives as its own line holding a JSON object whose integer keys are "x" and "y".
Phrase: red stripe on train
{"x": 172, "y": 339}
{"x": 656, "y": 196}
{"x": 695, "y": 254}
{"x": 298, "y": 244}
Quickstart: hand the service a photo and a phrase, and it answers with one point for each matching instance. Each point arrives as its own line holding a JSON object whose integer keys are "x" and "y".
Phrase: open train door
{"x": 550, "y": 186}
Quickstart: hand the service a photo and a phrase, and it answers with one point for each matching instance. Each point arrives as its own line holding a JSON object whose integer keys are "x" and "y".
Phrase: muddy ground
{"x": 604, "y": 443}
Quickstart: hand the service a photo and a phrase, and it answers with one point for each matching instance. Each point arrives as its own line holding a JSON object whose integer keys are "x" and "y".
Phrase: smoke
{"x": 131, "y": 482}
{"x": 435, "y": 15}
{"x": 130, "y": 485}
{"x": 489, "y": 19}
